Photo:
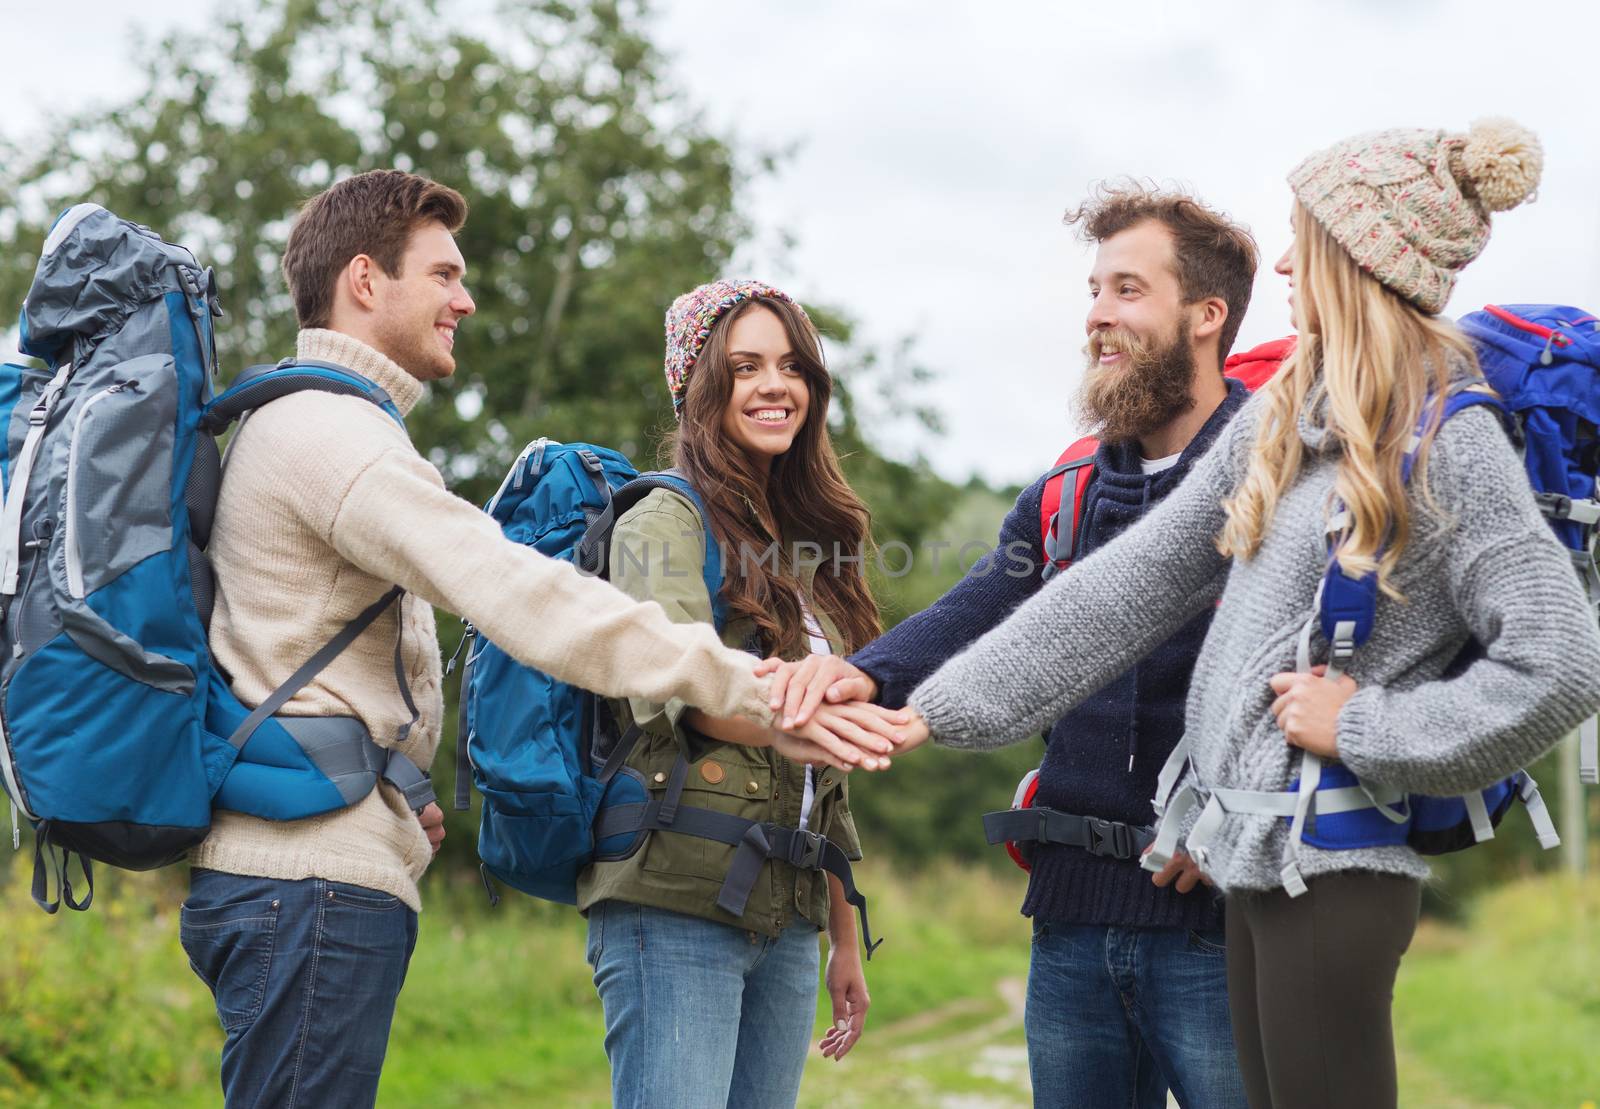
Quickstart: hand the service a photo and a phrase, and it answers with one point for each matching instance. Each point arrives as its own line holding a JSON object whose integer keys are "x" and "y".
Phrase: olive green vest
{"x": 658, "y": 550}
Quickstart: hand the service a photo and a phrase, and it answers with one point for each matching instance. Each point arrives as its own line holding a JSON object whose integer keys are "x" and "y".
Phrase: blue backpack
{"x": 1542, "y": 363}
{"x": 547, "y": 756}
{"x": 1544, "y": 360}
{"x": 117, "y": 732}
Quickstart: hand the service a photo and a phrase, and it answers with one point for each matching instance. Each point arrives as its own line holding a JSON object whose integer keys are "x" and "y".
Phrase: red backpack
{"x": 1254, "y": 368}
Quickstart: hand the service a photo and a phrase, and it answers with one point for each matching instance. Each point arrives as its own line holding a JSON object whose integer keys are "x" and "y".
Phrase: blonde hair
{"x": 1365, "y": 363}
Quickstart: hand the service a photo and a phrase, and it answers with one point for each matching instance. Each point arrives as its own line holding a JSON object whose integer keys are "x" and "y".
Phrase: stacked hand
{"x": 824, "y": 704}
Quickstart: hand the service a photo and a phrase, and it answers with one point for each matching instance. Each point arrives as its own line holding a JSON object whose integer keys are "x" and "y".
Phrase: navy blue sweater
{"x": 1101, "y": 759}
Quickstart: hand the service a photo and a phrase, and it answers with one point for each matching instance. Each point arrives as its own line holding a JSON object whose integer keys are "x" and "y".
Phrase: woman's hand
{"x": 799, "y": 687}
{"x": 1308, "y": 707}
{"x": 851, "y": 735}
{"x": 845, "y": 979}
{"x": 914, "y": 733}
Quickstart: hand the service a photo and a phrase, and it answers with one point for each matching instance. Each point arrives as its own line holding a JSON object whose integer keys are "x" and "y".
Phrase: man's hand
{"x": 799, "y": 687}
{"x": 432, "y": 821}
{"x": 1308, "y": 707}
{"x": 847, "y": 989}
{"x": 1182, "y": 869}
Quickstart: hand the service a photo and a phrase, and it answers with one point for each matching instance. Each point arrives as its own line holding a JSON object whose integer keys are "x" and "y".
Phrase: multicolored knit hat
{"x": 691, "y": 318}
{"x": 1412, "y": 206}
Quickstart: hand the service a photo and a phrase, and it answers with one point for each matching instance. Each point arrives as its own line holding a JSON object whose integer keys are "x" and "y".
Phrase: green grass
{"x": 100, "y": 1009}
{"x": 1508, "y": 1008}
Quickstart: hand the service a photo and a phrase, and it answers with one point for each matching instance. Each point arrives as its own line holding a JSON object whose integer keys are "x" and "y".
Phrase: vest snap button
{"x": 752, "y": 787}
{"x": 660, "y": 776}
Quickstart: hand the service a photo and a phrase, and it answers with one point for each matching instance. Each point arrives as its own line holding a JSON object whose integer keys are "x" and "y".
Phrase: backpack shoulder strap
{"x": 260, "y": 385}
{"x": 1347, "y": 605}
{"x": 1078, "y": 461}
{"x": 594, "y": 548}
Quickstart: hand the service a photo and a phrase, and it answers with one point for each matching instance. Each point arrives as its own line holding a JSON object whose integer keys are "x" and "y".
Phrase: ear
{"x": 1213, "y": 314}
{"x": 358, "y": 279}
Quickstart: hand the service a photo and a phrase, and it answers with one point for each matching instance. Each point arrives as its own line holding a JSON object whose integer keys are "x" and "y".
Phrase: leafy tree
{"x": 597, "y": 195}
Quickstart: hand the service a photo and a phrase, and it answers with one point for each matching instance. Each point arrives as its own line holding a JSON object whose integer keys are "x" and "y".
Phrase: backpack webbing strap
{"x": 619, "y": 753}
{"x": 755, "y": 842}
{"x": 260, "y": 385}
{"x": 408, "y": 778}
{"x": 1110, "y": 839}
{"x": 404, "y": 731}
{"x": 313, "y": 666}
{"x": 1538, "y": 812}
{"x": 593, "y": 553}
{"x": 1077, "y": 462}
{"x": 47, "y": 856}
{"x": 469, "y": 641}
{"x": 1589, "y": 752}
{"x": 21, "y": 471}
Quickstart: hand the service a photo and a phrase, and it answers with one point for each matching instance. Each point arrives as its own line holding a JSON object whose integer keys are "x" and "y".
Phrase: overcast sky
{"x": 939, "y": 143}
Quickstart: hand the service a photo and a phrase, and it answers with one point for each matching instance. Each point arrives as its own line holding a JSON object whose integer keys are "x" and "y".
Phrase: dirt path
{"x": 968, "y": 1044}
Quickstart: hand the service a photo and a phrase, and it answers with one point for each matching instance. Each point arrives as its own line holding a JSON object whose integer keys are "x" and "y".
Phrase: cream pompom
{"x": 1502, "y": 161}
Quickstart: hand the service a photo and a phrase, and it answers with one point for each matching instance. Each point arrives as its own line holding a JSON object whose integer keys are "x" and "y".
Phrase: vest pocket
{"x": 718, "y": 782}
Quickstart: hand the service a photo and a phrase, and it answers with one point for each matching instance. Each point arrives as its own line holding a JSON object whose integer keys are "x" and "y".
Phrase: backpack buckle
{"x": 805, "y": 849}
{"x": 1107, "y": 838}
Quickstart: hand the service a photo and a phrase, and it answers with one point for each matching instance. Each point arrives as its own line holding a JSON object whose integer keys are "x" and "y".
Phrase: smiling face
{"x": 418, "y": 309}
{"x": 1141, "y": 367}
{"x": 770, "y": 399}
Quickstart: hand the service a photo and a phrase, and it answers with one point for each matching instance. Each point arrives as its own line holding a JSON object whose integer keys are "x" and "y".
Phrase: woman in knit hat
{"x": 1316, "y": 927}
{"x": 709, "y": 998}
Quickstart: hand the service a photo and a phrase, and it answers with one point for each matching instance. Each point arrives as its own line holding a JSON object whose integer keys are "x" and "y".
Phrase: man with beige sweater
{"x": 303, "y": 929}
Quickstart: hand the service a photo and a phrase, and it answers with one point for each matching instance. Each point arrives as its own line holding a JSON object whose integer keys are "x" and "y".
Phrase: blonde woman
{"x": 1383, "y": 223}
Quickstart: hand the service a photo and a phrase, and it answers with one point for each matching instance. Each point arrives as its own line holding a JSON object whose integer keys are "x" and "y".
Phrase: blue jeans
{"x": 700, "y": 1014}
{"x": 1116, "y": 1015}
{"x": 305, "y": 976}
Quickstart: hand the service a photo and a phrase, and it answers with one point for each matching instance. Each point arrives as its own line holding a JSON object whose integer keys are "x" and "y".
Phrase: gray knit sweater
{"x": 1483, "y": 566}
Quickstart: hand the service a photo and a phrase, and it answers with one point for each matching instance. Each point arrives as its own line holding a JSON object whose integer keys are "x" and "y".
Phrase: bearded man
{"x": 1127, "y": 988}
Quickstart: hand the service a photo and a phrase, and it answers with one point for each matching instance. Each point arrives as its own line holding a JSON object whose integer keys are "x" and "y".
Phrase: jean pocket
{"x": 1207, "y": 943}
{"x": 230, "y": 949}
{"x": 359, "y": 897}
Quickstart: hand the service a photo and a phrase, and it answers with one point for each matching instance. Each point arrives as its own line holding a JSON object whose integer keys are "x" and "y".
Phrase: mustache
{"x": 1115, "y": 342}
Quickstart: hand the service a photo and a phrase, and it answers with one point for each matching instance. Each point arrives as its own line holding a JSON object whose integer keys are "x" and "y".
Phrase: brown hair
{"x": 372, "y": 213}
{"x": 1214, "y": 256}
{"x": 803, "y": 499}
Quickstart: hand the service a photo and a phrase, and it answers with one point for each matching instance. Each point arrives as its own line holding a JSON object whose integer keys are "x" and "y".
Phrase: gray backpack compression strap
{"x": 395, "y": 768}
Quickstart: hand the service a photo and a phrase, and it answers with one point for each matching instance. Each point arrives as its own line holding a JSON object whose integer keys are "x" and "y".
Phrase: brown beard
{"x": 1123, "y": 403}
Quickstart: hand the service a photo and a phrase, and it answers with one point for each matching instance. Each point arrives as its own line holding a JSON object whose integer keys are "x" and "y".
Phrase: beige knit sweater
{"x": 324, "y": 505}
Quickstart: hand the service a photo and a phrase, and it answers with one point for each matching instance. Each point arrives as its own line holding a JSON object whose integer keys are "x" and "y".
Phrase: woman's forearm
{"x": 841, "y": 918}
{"x": 729, "y": 729}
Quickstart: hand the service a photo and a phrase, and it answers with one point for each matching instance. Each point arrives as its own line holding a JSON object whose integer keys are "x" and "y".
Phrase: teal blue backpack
{"x": 547, "y": 756}
{"x": 118, "y": 733}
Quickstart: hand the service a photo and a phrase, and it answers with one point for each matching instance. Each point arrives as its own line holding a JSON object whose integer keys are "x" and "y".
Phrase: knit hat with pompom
{"x": 1412, "y": 206}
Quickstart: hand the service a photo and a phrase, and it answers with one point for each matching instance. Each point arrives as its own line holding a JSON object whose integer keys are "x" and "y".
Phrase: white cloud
{"x": 940, "y": 143}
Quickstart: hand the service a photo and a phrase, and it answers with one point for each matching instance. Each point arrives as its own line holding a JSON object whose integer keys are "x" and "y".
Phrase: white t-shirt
{"x": 1156, "y": 465}
{"x": 819, "y": 646}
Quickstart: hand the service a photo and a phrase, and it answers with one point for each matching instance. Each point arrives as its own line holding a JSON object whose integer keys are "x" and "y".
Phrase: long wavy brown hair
{"x": 1365, "y": 364}
{"x": 802, "y": 498}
